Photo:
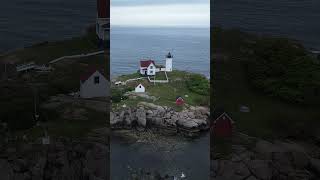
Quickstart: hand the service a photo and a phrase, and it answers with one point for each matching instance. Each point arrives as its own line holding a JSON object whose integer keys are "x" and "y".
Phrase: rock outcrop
{"x": 190, "y": 121}
{"x": 63, "y": 159}
{"x": 59, "y": 161}
{"x": 263, "y": 160}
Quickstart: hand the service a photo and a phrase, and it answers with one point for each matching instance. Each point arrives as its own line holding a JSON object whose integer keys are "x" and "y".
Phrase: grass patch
{"x": 47, "y": 51}
{"x": 160, "y": 76}
{"x": 65, "y": 79}
{"x": 166, "y": 93}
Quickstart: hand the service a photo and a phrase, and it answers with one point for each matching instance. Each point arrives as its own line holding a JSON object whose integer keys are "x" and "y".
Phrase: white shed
{"x": 139, "y": 89}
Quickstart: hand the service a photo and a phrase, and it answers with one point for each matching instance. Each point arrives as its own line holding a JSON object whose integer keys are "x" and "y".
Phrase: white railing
{"x": 158, "y": 81}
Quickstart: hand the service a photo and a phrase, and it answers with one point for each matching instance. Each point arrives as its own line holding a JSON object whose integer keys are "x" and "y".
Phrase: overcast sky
{"x": 174, "y": 13}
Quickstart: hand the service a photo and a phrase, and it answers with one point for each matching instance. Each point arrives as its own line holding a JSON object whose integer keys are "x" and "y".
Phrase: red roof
{"x": 146, "y": 63}
{"x": 179, "y": 101}
{"x": 103, "y": 8}
{"x": 86, "y": 75}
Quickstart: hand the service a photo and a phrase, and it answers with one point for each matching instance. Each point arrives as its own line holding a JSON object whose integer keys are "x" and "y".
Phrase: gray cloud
{"x": 153, "y": 2}
{"x": 195, "y": 13}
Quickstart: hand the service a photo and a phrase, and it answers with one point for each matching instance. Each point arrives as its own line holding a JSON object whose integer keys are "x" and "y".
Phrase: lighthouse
{"x": 103, "y": 19}
{"x": 169, "y": 62}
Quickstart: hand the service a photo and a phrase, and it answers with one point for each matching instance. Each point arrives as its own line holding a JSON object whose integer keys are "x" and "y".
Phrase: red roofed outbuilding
{"x": 179, "y": 101}
{"x": 222, "y": 126}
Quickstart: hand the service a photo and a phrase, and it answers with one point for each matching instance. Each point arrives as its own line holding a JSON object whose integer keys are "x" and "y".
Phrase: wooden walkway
{"x": 76, "y": 56}
{"x": 125, "y": 82}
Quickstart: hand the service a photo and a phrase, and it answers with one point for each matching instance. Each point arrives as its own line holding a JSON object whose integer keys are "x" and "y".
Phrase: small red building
{"x": 223, "y": 125}
{"x": 179, "y": 101}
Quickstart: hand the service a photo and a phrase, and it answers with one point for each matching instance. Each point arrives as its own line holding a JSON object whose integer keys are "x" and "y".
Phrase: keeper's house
{"x": 147, "y": 67}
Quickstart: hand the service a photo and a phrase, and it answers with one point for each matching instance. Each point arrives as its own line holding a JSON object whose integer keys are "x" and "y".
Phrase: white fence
{"x": 158, "y": 81}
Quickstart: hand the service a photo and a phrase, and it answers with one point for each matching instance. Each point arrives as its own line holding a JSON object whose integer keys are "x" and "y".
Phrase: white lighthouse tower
{"x": 169, "y": 62}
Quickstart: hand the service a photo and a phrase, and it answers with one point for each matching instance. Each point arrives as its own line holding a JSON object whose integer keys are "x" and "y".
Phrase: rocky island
{"x": 157, "y": 107}
{"x": 190, "y": 121}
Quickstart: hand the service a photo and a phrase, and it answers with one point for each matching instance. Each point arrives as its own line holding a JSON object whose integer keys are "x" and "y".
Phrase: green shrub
{"x": 127, "y": 89}
{"x": 281, "y": 68}
{"x": 19, "y": 118}
{"x": 198, "y": 84}
{"x": 17, "y": 107}
{"x": 202, "y": 101}
{"x": 116, "y": 95}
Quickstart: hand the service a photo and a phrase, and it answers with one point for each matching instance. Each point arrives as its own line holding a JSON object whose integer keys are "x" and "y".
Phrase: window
{"x": 151, "y": 67}
{"x": 96, "y": 80}
{"x": 151, "y": 72}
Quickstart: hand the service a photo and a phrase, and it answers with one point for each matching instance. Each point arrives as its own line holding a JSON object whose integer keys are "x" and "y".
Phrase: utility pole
{"x": 36, "y": 115}
{"x": 46, "y": 138}
{"x": 5, "y": 71}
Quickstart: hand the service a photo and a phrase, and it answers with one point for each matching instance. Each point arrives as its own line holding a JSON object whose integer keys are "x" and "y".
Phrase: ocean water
{"x": 190, "y": 48}
{"x": 190, "y": 157}
{"x": 25, "y": 22}
{"x": 297, "y": 19}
